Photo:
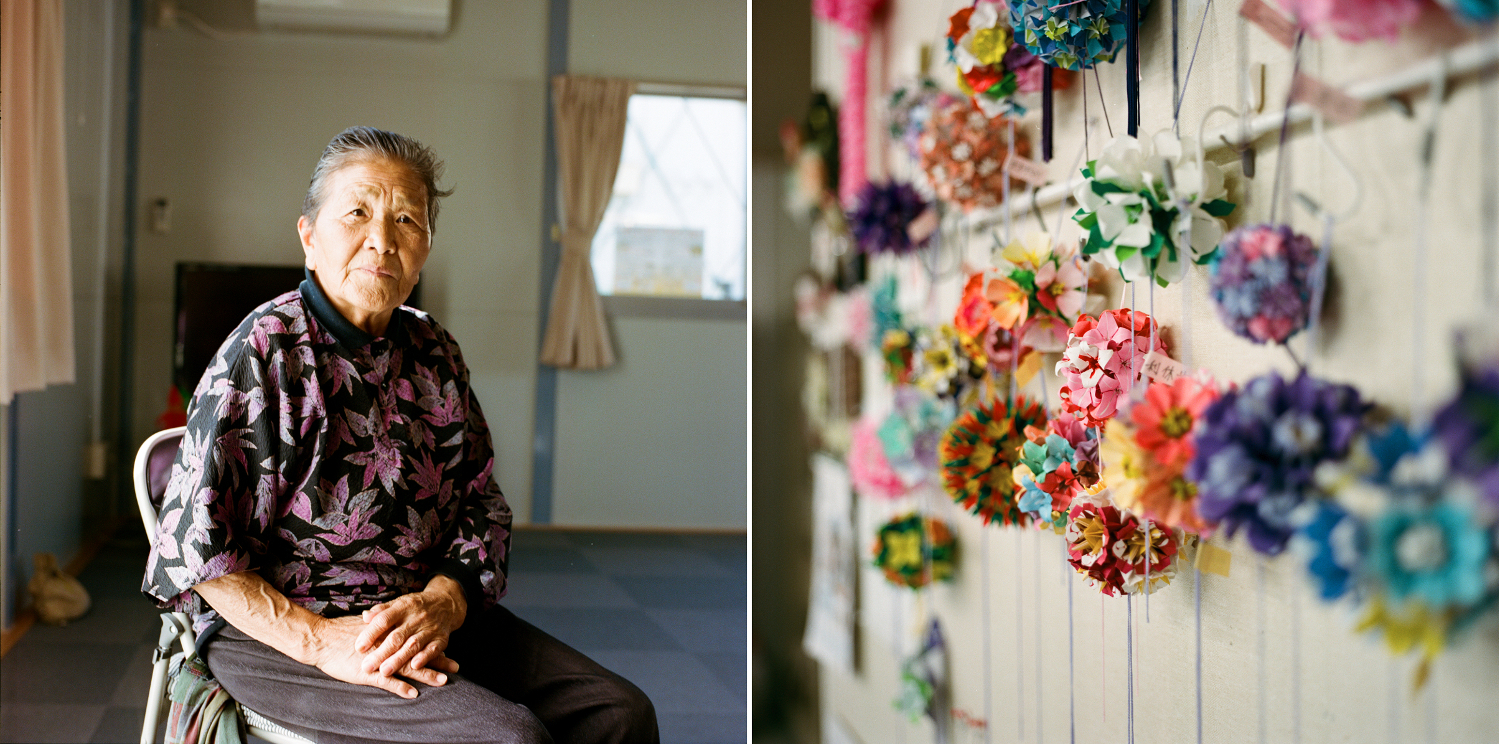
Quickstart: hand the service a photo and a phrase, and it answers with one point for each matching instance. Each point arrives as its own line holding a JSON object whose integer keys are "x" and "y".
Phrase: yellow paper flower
{"x": 1124, "y": 469}
{"x": 905, "y": 550}
{"x": 990, "y": 44}
{"x": 1031, "y": 253}
{"x": 1410, "y": 627}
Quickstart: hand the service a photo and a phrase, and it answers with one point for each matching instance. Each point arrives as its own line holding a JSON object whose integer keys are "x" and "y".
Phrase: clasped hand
{"x": 403, "y": 638}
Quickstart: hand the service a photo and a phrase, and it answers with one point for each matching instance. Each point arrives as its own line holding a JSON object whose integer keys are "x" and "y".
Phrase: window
{"x": 675, "y": 225}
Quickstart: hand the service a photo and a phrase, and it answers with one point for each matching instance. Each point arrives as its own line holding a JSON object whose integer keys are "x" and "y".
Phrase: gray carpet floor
{"x": 666, "y": 611}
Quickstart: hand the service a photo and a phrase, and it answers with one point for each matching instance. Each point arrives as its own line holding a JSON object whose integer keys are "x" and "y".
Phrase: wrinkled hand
{"x": 411, "y": 632}
{"x": 338, "y": 658}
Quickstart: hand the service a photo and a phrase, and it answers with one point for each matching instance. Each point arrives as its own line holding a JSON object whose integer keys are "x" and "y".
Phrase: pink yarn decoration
{"x": 871, "y": 473}
{"x": 1354, "y": 20}
{"x": 853, "y": 16}
{"x": 1104, "y": 358}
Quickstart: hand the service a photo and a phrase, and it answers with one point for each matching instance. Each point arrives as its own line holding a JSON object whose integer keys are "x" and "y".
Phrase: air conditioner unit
{"x": 426, "y": 17}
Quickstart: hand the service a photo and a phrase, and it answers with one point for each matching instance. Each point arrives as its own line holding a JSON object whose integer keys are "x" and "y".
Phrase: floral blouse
{"x": 345, "y": 469}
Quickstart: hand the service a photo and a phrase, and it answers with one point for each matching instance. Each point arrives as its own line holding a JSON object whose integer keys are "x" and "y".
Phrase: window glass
{"x": 675, "y": 225}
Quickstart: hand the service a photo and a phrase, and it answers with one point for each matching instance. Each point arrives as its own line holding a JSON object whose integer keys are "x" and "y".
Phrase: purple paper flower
{"x": 1257, "y": 448}
{"x": 1261, "y": 281}
{"x": 883, "y": 215}
{"x": 1469, "y": 429}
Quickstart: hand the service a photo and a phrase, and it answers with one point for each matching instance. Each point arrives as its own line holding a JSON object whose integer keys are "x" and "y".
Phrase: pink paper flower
{"x": 1354, "y": 20}
{"x": 1060, "y": 288}
{"x": 1104, "y": 357}
{"x": 869, "y": 470}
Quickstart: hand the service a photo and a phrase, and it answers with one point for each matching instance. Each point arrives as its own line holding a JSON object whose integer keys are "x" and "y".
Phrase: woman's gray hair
{"x": 364, "y": 144}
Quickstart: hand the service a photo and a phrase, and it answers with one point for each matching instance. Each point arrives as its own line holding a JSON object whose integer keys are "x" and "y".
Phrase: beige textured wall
{"x": 230, "y": 131}
{"x": 1350, "y": 689}
{"x": 659, "y": 439}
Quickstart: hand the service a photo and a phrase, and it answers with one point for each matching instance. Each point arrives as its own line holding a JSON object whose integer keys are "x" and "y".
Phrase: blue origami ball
{"x": 1072, "y": 35}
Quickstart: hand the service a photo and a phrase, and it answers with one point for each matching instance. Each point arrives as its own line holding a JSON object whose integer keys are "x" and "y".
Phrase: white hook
{"x": 1359, "y": 187}
{"x": 1198, "y": 141}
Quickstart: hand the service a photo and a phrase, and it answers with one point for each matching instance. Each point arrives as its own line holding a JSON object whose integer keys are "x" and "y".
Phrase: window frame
{"x": 643, "y": 306}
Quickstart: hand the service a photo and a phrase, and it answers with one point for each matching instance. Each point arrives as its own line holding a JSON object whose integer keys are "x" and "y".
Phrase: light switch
{"x": 161, "y": 215}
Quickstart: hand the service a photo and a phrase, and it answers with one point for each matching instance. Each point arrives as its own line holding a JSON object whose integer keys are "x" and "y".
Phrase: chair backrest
{"x": 153, "y": 468}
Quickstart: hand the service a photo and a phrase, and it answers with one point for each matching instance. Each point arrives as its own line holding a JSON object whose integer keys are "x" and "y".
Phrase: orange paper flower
{"x": 1010, "y": 301}
{"x": 1164, "y": 420}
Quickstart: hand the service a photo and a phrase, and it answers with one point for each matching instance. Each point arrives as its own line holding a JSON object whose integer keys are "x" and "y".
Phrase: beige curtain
{"x": 590, "y": 130}
{"x": 36, "y": 287}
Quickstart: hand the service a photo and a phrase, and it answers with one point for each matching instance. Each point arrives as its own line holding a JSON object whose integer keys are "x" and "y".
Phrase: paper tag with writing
{"x": 1027, "y": 170}
{"x": 1212, "y": 559}
{"x": 1334, "y": 103}
{"x": 1277, "y": 26}
{"x": 1163, "y": 368}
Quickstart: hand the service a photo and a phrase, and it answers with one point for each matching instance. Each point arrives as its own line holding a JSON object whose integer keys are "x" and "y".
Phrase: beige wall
{"x": 662, "y": 41}
{"x": 1346, "y": 680}
{"x": 658, "y": 440}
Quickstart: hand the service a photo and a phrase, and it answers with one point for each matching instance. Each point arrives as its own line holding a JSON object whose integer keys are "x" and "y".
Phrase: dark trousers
{"x": 515, "y": 684}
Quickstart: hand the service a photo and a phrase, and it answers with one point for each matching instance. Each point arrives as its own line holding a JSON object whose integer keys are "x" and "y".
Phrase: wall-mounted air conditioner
{"x": 428, "y": 17}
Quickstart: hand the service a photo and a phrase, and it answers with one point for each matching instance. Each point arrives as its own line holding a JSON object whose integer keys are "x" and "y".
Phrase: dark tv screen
{"x": 212, "y": 299}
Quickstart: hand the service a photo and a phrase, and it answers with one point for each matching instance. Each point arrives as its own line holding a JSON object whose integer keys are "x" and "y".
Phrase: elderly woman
{"x": 333, "y": 522}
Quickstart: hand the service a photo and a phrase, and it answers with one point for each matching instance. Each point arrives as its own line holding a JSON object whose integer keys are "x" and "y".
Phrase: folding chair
{"x": 153, "y": 468}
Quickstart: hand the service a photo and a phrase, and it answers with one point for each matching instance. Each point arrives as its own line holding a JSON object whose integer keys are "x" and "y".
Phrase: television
{"x": 213, "y": 298}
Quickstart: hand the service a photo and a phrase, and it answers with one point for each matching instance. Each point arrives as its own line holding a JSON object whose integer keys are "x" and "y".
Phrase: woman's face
{"x": 369, "y": 240}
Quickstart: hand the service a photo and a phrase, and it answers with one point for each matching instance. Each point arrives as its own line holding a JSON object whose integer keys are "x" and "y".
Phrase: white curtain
{"x": 590, "y": 130}
{"x": 36, "y": 287}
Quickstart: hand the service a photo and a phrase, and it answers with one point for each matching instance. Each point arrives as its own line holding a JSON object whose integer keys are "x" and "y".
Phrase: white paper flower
{"x": 1182, "y": 190}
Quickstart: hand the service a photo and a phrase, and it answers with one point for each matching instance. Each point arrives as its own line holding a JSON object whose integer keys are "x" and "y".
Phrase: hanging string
{"x": 1103, "y": 650}
{"x": 1047, "y": 112}
{"x": 1072, "y": 705}
{"x": 1286, "y": 121}
{"x": 1432, "y": 713}
{"x": 1020, "y": 648}
{"x": 1260, "y": 648}
{"x": 1419, "y": 252}
{"x": 1319, "y": 283}
{"x": 1198, "y": 641}
{"x": 1063, "y": 566}
{"x": 1086, "y": 116}
{"x": 1010, "y": 143}
{"x": 1129, "y": 670}
{"x": 1062, "y": 209}
{"x": 1132, "y": 67}
{"x": 1102, "y": 105}
{"x": 1393, "y": 699}
{"x": 1015, "y": 351}
{"x": 1242, "y": 63}
{"x": 1041, "y": 376}
{"x": 1176, "y": 82}
{"x": 1296, "y": 664}
{"x": 1202, "y": 21}
{"x": 1037, "y": 608}
{"x": 1489, "y": 193}
{"x": 984, "y": 610}
{"x": 1184, "y": 348}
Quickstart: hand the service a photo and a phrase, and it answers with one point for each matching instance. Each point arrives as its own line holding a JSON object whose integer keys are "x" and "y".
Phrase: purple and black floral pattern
{"x": 346, "y": 470}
